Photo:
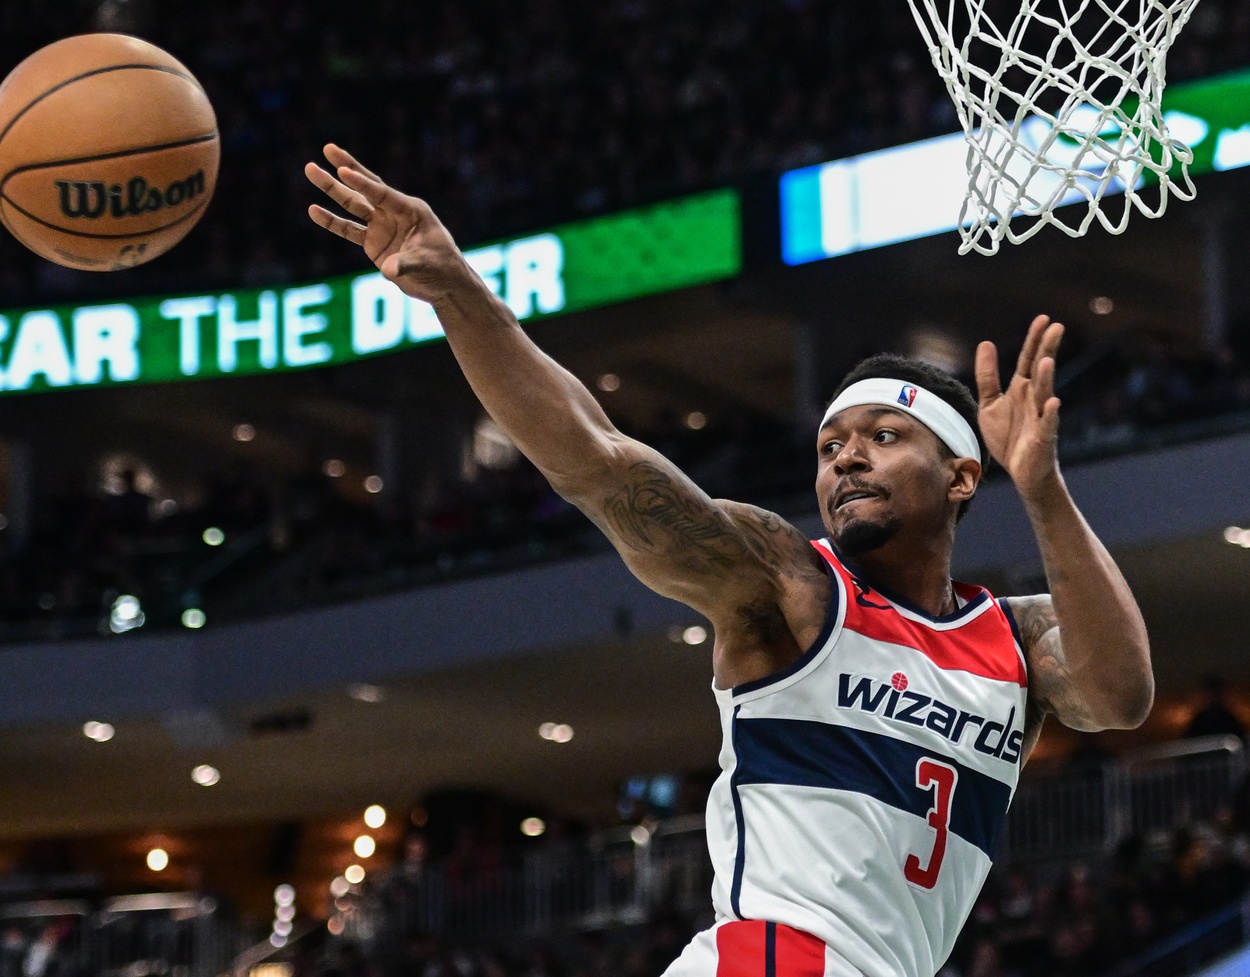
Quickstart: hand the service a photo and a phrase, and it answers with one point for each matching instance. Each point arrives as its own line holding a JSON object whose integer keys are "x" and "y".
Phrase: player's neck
{"x": 914, "y": 572}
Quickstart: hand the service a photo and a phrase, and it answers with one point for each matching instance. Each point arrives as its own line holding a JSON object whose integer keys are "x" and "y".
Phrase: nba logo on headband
{"x": 907, "y": 396}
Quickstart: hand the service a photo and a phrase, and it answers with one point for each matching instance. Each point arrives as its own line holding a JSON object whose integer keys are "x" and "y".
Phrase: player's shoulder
{"x": 1032, "y": 616}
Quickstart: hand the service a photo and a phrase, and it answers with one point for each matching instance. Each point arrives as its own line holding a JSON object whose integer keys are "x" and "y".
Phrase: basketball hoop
{"x": 1058, "y": 107}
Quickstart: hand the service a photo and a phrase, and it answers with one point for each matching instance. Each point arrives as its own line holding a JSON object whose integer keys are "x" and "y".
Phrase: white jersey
{"x": 863, "y": 789}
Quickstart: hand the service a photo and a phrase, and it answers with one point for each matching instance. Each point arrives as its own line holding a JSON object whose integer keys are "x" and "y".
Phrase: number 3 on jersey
{"x": 941, "y": 779}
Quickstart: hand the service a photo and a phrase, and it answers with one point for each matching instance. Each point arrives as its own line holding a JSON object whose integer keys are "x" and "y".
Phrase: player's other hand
{"x": 1021, "y": 424}
{"x": 400, "y": 234}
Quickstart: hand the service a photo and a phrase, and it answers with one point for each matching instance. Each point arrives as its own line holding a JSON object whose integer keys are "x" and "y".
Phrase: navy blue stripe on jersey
{"x": 740, "y": 860}
{"x": 804, "y": 753}
{"x": 831, "y": 618}
{"x": 770, "y": 950}
{"x": 1011, "y": 619}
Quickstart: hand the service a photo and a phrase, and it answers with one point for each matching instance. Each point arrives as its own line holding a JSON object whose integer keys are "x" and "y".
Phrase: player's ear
{"x": 965, "y": 476}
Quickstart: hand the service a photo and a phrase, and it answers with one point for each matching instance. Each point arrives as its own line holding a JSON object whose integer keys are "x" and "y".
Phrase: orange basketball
{"x": 108, "y": 152}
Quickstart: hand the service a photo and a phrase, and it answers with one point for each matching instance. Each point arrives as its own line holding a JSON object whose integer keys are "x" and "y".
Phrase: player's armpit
{"x": 1053, "y": 688}
{"x": 715, "y": 556}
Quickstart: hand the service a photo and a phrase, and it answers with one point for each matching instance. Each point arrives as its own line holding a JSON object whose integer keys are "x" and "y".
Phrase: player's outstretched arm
{"x": 1086, "y": 643}
{"x": 717, "y": 557}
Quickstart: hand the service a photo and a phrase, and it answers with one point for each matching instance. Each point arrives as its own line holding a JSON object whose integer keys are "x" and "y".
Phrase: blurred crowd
{"x": 514, "y": 115}
{"x": 303, "y": 541}
{"x": 1094, "y": 918}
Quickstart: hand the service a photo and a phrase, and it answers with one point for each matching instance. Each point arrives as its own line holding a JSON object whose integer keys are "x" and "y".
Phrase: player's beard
{"x": 861, "y": 536}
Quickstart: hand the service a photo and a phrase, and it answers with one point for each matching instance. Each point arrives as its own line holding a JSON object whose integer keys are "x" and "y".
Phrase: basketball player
{"x": 876, "y": 714}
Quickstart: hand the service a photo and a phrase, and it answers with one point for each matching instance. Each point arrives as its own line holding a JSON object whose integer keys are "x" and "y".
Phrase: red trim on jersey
{"x": 742, "y": 951}
{"x": 799, "y": 954}
{"x": 984, "y": 645}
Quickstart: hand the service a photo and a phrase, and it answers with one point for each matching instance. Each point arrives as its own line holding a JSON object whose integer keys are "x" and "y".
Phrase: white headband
{"x": 929, "y": 409}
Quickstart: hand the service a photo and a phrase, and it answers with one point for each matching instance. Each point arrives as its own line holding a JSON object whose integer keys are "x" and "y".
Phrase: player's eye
{"x": 885, "y": 436}
{"x": 830, "y": 447}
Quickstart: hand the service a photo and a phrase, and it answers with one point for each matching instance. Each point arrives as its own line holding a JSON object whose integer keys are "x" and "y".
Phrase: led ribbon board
{"x": 578, "y": 266}
{"x": 916, "y": 190}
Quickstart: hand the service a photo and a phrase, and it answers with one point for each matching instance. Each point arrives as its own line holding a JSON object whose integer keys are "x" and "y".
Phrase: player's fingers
{"x": 1050, "y": 419}
{"x": 1051, "y": 339}
{"x": 375, "y": 192}
{"x": 350, "y": 201}
{"x": 1028, "y": 352}
{"x": 348, "y": 230}
{"x": 989, "y": 387}
{"x": 338, "y": 156}
{"x": 1043, "y": 385}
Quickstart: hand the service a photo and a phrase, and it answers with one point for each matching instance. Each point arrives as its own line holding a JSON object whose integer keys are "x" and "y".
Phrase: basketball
{"x": 108, "y": 152}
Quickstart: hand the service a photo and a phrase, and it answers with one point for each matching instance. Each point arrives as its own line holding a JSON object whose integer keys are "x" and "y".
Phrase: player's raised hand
{"x": 400, "y": 234}
{"x": 1021, "y": 424}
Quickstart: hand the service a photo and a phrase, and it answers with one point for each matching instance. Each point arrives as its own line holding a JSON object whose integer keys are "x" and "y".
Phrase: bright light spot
{"x": 364, "y": 846}
{"x": 639, "y": 835}
{"x": 334, "y": 468}
{"x": 194, "y": 618}
{"x": 1101, "y": 305}
{"x": 354, "y": 874}
{"x": 214, "y": 536}
{"x": 282, "y": 927}
{"x": 205, "y": 775}
{"x": 339, "y": 887}
{"x": 100, "y": 732}
{"x": 533, "y": 827}
{"x": 556, "y": 732}
{"x": 375, "y": 815}
{"x": 126, "y": 614}
{"x": 609, "y": 383}
{"x": 243, "y": 432}
{"x": 158, "y": 859}
{"x": 335, "y": 925}
{"x": 284, "y": 912}
{"x": 696, "y": 420}
{"x": 373, "y": 484}
{"x": 694, "y": 635}
{"x": 167, "y": 507}
{"x": 366, "y": 693}
{"x": 277, "y": 940}
{"x": 1238, "y": 536}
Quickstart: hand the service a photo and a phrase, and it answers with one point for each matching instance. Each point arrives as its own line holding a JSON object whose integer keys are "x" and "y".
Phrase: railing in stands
{"x": 1086, "y": 812}
{"x": 629, "y": 873}
{"x": 174, "y": 934}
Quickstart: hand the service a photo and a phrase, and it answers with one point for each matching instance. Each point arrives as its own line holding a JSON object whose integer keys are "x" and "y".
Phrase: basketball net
{"x": 1060, "y": 106}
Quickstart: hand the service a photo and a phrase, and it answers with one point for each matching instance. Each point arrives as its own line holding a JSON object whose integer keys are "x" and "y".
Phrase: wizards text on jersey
{"x": 895, "y": 702}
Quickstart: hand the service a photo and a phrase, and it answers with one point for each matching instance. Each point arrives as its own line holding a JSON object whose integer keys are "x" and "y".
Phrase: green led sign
{"x": 575, "y": 267}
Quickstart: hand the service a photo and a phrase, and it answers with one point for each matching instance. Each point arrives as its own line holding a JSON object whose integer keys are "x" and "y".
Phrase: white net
{"x": 1060, "y": 104}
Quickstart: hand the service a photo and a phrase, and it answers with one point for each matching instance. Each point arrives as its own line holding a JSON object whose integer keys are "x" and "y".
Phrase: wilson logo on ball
{"x": 90, "y": 199}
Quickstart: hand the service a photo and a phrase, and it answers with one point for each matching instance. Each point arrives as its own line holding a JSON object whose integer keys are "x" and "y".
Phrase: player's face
{"x": 880, "y": 472}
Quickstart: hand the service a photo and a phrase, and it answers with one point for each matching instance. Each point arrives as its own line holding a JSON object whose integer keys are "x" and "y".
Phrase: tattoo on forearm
{"x": 656, "y": 513}
{"x": 1051, "y": 684}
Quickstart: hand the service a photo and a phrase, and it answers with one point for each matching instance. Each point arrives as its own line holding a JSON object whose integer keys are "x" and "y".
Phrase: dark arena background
{"x": 306, "y": 673}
